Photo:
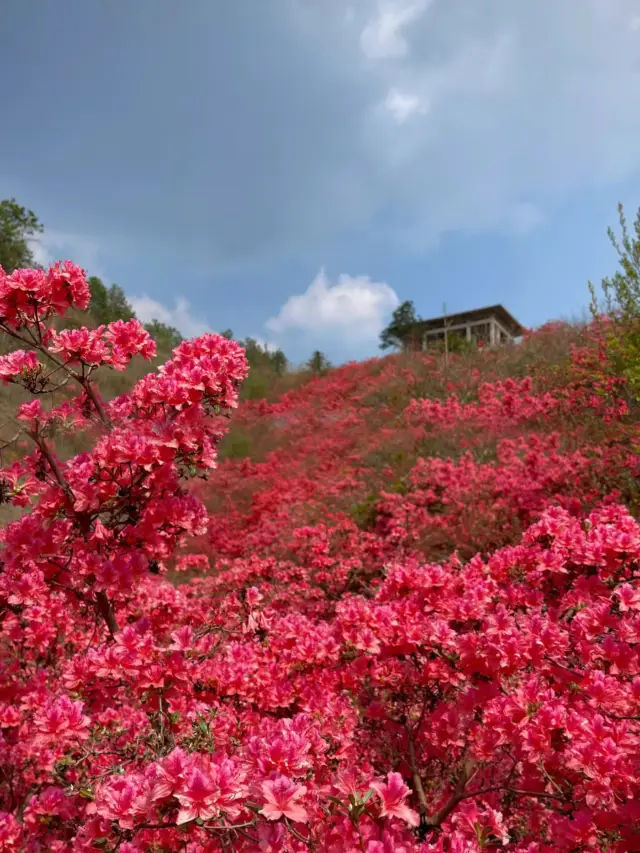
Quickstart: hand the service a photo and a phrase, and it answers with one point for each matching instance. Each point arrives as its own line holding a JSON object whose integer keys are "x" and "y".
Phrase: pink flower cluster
{"x": 17, "y": 364}
{"x": 114, "y": 344}
{"x": 31, "y": 296}
{"x": 448, "y": 662}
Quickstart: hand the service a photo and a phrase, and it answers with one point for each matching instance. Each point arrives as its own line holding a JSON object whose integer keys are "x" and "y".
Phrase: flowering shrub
{"x": 320, "y": 684}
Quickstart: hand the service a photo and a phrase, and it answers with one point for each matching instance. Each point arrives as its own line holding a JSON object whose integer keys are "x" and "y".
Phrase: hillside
{"x": 402, "y": 612}
{"x": 426, "y": 458}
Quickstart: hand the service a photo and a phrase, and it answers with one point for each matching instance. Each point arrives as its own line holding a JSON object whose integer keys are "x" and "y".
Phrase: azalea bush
{"x": 275, "y": 672}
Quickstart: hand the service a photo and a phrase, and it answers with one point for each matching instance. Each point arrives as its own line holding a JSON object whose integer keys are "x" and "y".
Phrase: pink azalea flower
{"x": 60, "y": 720}
{"x": 198, "y": 798}
{"x": 629, "y": 597}
{"x": 281, "y": 795}
{"x": 209, "y": 788}
{"x": 122, "y": 798}
{"x": 393, "y": 794}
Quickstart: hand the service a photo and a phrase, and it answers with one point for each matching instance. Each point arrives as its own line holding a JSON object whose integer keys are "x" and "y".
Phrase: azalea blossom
{"x": 282, "y": 795}
{"x": 394, "y": 793}
{"x": 197, "y": 797}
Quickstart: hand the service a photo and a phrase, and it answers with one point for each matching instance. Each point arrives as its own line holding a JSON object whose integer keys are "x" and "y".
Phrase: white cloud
{"x": 354, "y": 306}
{"x": 402, "y": 105}
{"x": 62, "y": 246}
{"x": 382, "y": 36}
{"x": 180, "y": 316}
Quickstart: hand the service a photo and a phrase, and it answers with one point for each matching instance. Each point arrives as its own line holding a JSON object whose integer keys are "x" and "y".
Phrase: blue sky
{"x": 293, "y": 169}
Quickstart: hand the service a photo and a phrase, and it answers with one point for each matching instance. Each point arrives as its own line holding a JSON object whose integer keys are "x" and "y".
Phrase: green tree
{"x": 166, "y": 337}
{"x": 256, "y": 355}
{"x": 108, "y": 303}
{"x": 99, "y": 305}
{"x": 279, "y": 362}
{"x": 621, "y": 303}
{"x": 17, "y": 227}
{"x": 403, "y": 319}
{"x": 119, "y": 305}
{"x": 262, "y": 358}
{"x": 319, "y": 363}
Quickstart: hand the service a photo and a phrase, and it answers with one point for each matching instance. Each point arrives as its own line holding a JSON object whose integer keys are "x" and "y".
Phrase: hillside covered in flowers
{"x": 400, "y": 612}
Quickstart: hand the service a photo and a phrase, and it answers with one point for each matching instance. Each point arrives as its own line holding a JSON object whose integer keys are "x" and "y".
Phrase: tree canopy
{"x": 166, "y": 337}
{"x": 402, "y": 321}
{"x": 108, "y": 303}
{"x": 319, "y": 363}
{"x": 18, "y": 226}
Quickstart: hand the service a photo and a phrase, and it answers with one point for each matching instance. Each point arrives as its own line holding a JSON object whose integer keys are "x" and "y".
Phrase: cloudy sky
{"x": 292, "y": 169}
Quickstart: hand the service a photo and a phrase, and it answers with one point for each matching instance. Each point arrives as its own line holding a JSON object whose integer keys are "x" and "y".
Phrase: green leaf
{"x": 86, "y": 794}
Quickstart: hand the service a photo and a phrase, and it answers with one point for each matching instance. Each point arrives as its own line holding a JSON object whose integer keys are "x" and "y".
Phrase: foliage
{"x": 460, "y": 675}
{"x": 279, "y": 362}
{"x": 236, "y": 445}
{"x": 266, "y": 365}
{"x": 166, "y": 337}
{"x": 403, "y": 319}
{"x": 621, "y": 294}
{"x": 263, "y": 358}
{"x": 18, "y": 226}
{"x": 318, "y": 363}
{"x": 108, "y": 304}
